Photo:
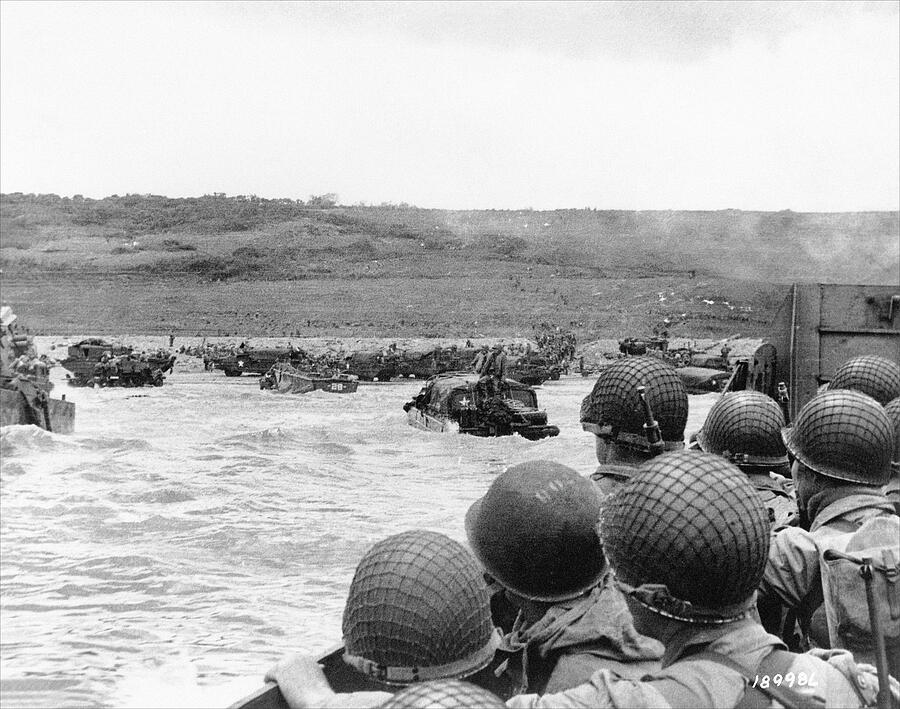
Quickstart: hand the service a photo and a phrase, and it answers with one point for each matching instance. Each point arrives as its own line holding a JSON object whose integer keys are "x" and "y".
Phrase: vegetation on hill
{"x": 407, "y": 270}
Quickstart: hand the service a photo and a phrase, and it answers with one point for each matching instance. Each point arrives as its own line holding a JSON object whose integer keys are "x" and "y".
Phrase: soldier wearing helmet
{"x": 744, "y": 427}
{"x": 534, "y": 531}
{"x": 418, "y": 609}
{"x": 615, "y": 414}
{"x": 842, "y": 443}
{"x": 892, "y": 488}
{"x": 873, "y": 375}
{"x": 687, "y": 538}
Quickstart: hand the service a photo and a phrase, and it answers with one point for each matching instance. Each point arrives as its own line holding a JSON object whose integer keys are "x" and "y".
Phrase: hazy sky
{"x": 460, "y": 105}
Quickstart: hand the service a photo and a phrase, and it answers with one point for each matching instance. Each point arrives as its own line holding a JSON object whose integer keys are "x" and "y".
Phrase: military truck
{"x": 96, "y": 362}
{"x": 532, "y": 368}
{"x": 455, "y": 401}
{"x": 371, "y": 365}
{"x": 256, "y": 360}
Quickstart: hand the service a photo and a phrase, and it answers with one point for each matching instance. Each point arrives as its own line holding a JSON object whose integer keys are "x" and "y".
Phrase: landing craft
{"x": 25, "y": 384}
{"x": 285, "y": 379}
{"x": 819, "y": 327}
{"x": 455, "y": 402}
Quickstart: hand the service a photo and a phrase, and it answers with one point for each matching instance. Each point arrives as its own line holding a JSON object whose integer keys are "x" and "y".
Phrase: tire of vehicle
{"x": 233, "y": 372}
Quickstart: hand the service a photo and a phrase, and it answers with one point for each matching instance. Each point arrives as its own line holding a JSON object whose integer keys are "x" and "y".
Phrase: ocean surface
{"x": 186, "y": 537}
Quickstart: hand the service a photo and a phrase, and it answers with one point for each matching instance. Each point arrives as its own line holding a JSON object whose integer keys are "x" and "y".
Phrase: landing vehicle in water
{"x": 286, "y": 379}
{"x": 25, "y": 383}
{"x": 455, "y": 401}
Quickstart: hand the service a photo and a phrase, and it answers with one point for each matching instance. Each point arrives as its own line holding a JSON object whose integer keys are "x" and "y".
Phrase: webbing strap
{"x": 405, "y": 675}
{"x": 777, "y": 662}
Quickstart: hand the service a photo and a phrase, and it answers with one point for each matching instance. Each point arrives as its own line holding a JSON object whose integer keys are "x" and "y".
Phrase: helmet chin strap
{"x": 658, "y": 598}
{"x": 406, "y": 675}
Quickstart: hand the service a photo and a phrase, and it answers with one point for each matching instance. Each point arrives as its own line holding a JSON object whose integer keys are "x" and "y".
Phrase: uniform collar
{"x": 864, "y": 498}
{"x": 738, "y": 638}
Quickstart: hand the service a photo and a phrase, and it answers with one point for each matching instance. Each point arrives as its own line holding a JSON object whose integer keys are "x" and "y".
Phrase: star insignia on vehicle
{"x": 465, "y": 401}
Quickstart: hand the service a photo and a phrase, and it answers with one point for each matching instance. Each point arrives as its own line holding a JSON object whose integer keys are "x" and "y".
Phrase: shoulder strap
{"x": 777, "y": 662}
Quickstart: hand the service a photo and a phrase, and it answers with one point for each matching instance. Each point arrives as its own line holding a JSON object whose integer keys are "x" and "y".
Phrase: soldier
{"x": 535, "y": 534}
{"x": 418, "y": 610}
{"x": 614, "y": 413}
{"x": 496, "y": 366}
{"x": 492, "y": 371}
{"x": 892, "y": 489}
{"x": 478, "y": 362}
{"x": 688, "y": 539}
{"x": 101, "y": 370}
{"x": 873, "y": 375}
{"x": 842, "y": 444}
{"x": 744, "y": 427}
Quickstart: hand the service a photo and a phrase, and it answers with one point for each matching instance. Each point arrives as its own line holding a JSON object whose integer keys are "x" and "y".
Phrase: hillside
{"x": 219, "y": 265}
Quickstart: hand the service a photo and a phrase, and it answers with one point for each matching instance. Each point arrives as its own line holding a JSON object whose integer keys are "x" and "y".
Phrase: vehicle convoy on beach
{"x": 286, "y": 379}
{"x": 25, "y": 384}
{"x": 528, "y": 368}
{"x": 96, "y": 362}
{"x": 455, "y": 401}
{"x": 255, "y": 360}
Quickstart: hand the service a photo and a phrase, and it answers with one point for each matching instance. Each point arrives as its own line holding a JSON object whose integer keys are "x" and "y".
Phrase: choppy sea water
{"x": 186, "y": 537}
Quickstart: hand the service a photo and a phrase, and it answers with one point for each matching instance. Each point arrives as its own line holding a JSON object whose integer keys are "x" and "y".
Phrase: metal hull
{"x": 419, "y": 419}
{"x": 820, "y": 326}
{"x": 286, "y": 380}
{"x": 15, "y": 410}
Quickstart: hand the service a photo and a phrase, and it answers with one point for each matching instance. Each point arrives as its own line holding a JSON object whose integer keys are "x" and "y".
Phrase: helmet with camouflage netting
{"x": 417, "y": 610}
{"x": 745, "y": 427}
{"x": 688, "y": 538}
{"x": 444, "y": 694}
{"x": 535, "y": 531}
{"x": 892, "y": 409}
{"x": 873, "y": 375}
{"x": 614, "y": 409}
{"x": 845, "y": 435}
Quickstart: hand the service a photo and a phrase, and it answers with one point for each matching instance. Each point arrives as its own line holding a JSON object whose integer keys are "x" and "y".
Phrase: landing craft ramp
{"x": 820, "y": 326}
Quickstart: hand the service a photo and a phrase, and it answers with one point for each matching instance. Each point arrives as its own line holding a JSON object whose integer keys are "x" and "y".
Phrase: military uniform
{"x": 576, "y": 638}
{"x": 842, "y": 443}
{"x": 688, "y": 541}
{"x": 792, "y": 571}
{"x": 689, "y": 682}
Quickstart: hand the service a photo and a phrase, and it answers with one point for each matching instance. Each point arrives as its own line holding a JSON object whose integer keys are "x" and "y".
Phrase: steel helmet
{"x": 688, "y": 537}
{"x": 444, "y": 694}
{"x": 892, "y": 409}
{"x": 745, "y": 427}
{"x": 535, "y": 531}
{"x": 614, "y": 401}
{"x": 843, "y": 434}
{"x": 418, "y": 609}
{"x": 873, "y": 375}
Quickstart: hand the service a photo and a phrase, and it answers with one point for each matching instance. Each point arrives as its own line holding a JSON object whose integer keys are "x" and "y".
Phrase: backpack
{"x": 841, "y": 562}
